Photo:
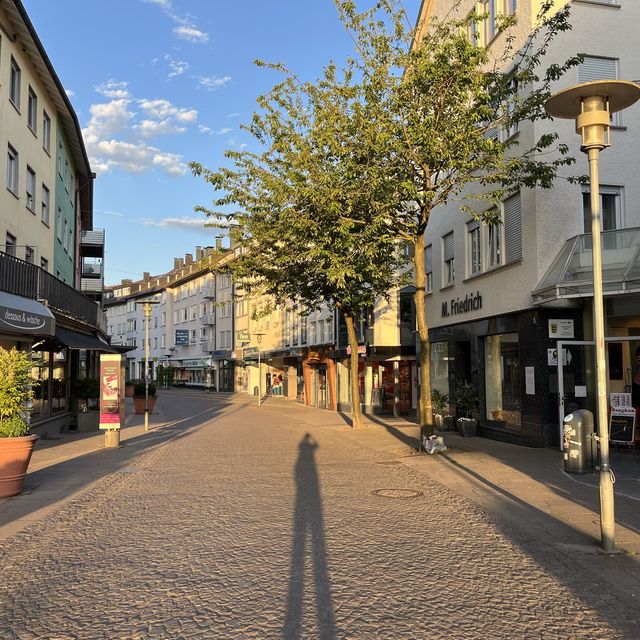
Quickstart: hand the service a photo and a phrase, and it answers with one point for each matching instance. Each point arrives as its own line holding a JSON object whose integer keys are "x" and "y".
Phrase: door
{"x": 321, "y": 386}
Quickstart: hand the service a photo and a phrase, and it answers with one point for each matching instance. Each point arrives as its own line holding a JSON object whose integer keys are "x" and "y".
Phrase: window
{"x": 449, "y": 272}
{"x": 511, "y": 6}
{"x": 512, "y": 96}
{"x": 502, "y": 379}
{"x": 14, "y": 83}
{"x": 512, "y": 219}
{"x": 163, "y": 321}
{"x": 490, "y": 31}
{"x": 194, "y": 311}
{"x": 155, "y": 343}
{"x": 32, "y": 111}
{"x": 611, "y": 214}
{"x": 474, "y": 247}
{"x": 241, "y": 308}
{"x": 29, "y": 255}
{"x": 44, "y": 264}
{"x": 59, "y": 224}
{"x": 494, "y": 240}
{"x": 428, "y": 267}
{"x": 12, "y": 170}
{"x": 163, "y": 341}
{"x": 10, "y": 245}
{"x": 303, "y": 330}
{"x": 226, "y": 280}
{"x": 597, "y": 68}
{"x": 155, "y": 322}
{"x": 330, "y": 329}
{"x": 46, "y": 132}
{"x": 203, "y": 334}
{"x": 312, "y": 333}
{"x": 31, "y": 189}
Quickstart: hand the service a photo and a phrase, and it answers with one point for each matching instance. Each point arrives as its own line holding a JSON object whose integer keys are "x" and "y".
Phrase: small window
{"x": 45, "y": 205}
{"x": 595, "y": 68}
{"x": 14, "y": 83}
{"x": 474, "y": 247}
{"x": 490, "y": 27}
{"x": 44, "y": 264}
{"x": 611, "y": 215}
{"x": 32, "y": 111}
{"x": 494, "y": 239}
{"x": 31, "y": 189}
{"x": 46, "y": 132}
{"x": 10, "y": 244}
{"x": 428, "y": 267}
{"x": 29, "y": 255}
{"x": 64, "y": 235}
{"x": 59, "y": 224}
{"x": 448, "y": 260}
{"x": 12, "y": 170}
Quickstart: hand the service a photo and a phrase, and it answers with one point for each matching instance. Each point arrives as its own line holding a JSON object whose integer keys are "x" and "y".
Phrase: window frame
{"x": 15, "y": 82}
{"x": 46, "y": 132}
{"x": 30, "y": 198}
{"x": 13, "y": 170}
{"x": 617, "y": 191}
{"x": 32, "y": 111}
{"x": 448, "y": 264}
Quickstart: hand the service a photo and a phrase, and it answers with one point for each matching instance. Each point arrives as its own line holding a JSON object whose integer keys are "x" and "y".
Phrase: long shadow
{"x": 69, "y": 476}
{"x": 405, "y": 438}
{"x": 308, "y": 537}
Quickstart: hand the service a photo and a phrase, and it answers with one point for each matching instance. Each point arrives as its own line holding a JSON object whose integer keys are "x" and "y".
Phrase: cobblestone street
{"x": 247, "y": 522}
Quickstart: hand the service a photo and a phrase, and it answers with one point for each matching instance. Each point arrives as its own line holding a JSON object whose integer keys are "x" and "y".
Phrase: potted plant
{"x": 128, "y": 388}
{"x": 139, "y": 397}
{"x": 16, "y": 443}
{"x": 466, "y": 406}
{"x": 439, "y": 402}
{"x": 86, "y": 391}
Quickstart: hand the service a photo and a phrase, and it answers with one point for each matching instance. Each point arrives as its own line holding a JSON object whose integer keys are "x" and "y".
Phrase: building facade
{"x": 503, "y": 296}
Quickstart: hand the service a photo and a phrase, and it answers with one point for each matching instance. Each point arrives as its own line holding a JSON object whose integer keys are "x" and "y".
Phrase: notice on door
{"x": 561, "y": 329}
{"x": 530, "y": 381}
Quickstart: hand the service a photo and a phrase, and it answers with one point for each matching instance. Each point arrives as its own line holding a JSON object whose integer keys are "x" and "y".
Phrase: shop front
{"x": 194, "y": 372}
{"x": 319, "y": 381}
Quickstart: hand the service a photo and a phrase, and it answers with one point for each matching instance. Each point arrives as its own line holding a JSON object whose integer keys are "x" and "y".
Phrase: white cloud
{"x": 222, "y": 131}
{"x": 213, "y": 82}
{"x": 113, "y": 89}
{"x": 204, "y": 129}
{"x": 159, "y": 109}
{"x": 165, "y": 4}
{"x": 135, "y": 157}
{"x": 184, "y": 222}
{"x": 70, "y": 93}
{"x": 107, "y": 119}
{"x": 151, "y": 128}
{"x": 178, "y": 67}
{"x": 191, "y": 34}
{"x": 233, "y": 115}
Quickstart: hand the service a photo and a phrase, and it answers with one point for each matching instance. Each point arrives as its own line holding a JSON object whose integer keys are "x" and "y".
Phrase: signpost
{"x": 111, "y": 397}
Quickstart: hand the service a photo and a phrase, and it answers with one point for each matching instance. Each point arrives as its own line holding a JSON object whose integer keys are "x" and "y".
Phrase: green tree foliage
{"x": 441, "y": 103}
{"x": 313, "y": 208}
{"x": 15, "y": 392}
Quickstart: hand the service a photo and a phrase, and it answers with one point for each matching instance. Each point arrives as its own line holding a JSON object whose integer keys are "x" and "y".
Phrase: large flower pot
{"x": 15, "y": 455}
{"x": 467, "y": 427}
{"x": 138, "y": 404}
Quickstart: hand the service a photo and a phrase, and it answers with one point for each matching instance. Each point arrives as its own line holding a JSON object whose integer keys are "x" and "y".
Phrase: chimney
{"x": 146, "y": 276}
{"x": 188, "y": 259}
{"x": 218, "y": 243}
{"x": 127, "y": 281}
{"x": 198, "y": 253}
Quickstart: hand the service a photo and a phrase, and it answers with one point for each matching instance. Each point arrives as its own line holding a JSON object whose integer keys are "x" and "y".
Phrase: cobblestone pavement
{"x": 261, "y": 523}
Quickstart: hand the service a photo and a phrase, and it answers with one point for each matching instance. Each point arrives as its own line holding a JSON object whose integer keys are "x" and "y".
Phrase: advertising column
{"x": 111, "y": 398}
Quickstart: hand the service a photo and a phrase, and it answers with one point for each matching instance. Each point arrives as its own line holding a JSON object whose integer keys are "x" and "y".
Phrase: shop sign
{"x": 197, "y": 363}
{"x": 560, "y": 329}
{"x": 24, "y": 320}
{"x": 456, "y": 306}
{"x": 182, "y": 337}
{"x": 242, "y": 335}
{"x": 362, "y": 349}
{"x": 111, "y": 391}
{"x": 250, "y": 353}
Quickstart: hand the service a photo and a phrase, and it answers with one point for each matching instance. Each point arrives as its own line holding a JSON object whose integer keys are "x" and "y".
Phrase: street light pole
{"x": 591, "y": 105}
{"x": 258, "y": 335}
{"x": 146, "y": 305}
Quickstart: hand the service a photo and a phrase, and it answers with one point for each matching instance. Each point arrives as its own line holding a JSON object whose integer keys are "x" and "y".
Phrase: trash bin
{"x": 256, "y": 391}
{"x": 577, "y": 442}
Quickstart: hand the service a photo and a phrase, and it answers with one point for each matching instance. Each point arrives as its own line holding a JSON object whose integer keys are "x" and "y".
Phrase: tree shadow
{"x": 308, "y": 540}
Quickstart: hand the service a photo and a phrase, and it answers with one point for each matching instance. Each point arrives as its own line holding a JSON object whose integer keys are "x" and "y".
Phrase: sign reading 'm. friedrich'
{"x": 456, "y": 306}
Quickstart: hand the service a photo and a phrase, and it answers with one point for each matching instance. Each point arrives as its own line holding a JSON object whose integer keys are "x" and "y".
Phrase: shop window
{"x": 40, "y": 384}
{"x": 502, "y": 379}
{"x": 440, "y": 366}
{"x": 59, "y": 399}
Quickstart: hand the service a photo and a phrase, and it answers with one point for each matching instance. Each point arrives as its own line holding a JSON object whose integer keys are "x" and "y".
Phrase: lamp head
{"x": 591, "y": 105}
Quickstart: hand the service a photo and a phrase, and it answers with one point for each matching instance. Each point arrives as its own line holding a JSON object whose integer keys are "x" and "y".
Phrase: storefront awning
{"x": 25, "y": 316}
{"x": 571, "y": 273}
{"x": 75, "y": 340}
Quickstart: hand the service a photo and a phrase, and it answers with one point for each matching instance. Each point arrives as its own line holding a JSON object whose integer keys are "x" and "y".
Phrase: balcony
{"x": 29, "y": 281}
{"x": 92, "y": 243}
{"x": 209, "y": 291}
{"x": 208, "y": 346}
{"x": 209, "y": 318}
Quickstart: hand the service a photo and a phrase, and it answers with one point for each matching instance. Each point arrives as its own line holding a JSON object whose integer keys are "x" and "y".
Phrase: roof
{"x": 571, "y": 273}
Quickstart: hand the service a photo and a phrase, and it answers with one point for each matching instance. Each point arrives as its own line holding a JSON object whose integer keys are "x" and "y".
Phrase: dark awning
{"x": 25, "y": 316}
{"x": 571, "y": 273}
{"x": 75, "y": 340}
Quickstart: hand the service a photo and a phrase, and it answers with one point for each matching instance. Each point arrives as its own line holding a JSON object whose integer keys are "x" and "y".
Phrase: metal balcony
{"x": 209, "y": 291}
{"x": 208, "y": 346}
{"x": 92, "y": 243}
{"x": 209, "y": 318}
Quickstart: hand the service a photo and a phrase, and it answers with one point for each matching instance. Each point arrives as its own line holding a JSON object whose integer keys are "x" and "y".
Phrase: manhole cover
{"x": 387, "y": 462}
{"x": 397, "y": 493}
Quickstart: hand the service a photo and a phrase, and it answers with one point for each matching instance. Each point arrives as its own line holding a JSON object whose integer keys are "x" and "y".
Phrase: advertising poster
{"x": 110, "y": 391}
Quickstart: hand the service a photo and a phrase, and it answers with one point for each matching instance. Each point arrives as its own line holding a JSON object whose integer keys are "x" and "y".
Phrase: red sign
{"x": 362, "y": 350}
{"x": 110, "y": 391}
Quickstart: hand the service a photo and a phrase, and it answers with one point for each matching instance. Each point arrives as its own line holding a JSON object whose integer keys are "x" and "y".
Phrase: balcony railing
{"x": 208, "y": 346}
{"x": 209, "y": 318}
{"x": 24, "y": 279}
{"x": 93, "y": 237}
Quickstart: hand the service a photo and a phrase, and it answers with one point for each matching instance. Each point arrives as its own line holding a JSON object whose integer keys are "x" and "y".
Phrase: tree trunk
{"x": 356, "y": 411}
{"x": 425, "y": 417}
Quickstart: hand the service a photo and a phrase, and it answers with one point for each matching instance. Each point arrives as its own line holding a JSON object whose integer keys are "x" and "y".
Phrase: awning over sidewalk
{"x": 571, "y": 273}
{"x": 25, "y": 316}
{"x": 75, "y": 340}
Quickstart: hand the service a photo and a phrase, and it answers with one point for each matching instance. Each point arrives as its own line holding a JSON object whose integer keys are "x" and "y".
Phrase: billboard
{"x": 111, "y": 391}
{"x": 182, "y": 337}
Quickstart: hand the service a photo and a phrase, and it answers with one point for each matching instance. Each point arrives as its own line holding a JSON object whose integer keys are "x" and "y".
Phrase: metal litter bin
{"x": 578, "y": 442}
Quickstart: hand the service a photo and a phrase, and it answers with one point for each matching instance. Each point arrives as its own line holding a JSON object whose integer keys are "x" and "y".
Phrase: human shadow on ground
{"x": 308, "y": 542}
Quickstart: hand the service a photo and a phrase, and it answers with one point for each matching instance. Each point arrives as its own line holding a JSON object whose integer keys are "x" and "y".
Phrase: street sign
{"x": 182, "y": 337}
{"x": 250, "y": 353}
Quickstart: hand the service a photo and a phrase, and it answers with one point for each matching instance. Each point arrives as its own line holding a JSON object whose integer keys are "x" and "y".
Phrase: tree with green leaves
{"x": 312, "y": 209}
{"x": 442, "y": 103}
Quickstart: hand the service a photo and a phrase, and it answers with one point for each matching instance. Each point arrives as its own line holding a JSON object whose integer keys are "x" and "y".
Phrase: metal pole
{"x": 607, "y": 516}
{"x": 147, "y": 315}
{"x": 259, "y": 378}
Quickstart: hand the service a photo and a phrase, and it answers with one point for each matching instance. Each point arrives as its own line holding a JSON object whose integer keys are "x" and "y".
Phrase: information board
{"x": 622, "y": 426}
{"x": 111, "y": 391}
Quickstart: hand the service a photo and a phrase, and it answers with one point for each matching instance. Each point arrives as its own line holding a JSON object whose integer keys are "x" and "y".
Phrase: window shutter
{"x": 447, "y": 248}
{"x": 513, "y": 228}
{"x": 428, "y": 259}
{"x": 597, "y": 69}
{"x": 473, "y": 225}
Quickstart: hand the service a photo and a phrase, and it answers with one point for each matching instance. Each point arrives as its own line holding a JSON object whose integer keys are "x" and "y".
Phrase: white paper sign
{"x": 530, "y": 380}
{"x": 560, "y": 329}
{"x": 581, "y": 391}
{"x": 552, "y": 357}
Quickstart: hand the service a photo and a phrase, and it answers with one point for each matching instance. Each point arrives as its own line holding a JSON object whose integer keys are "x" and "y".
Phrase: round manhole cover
{"x": 397, "y": 493}
{"x": 388, "y": 462}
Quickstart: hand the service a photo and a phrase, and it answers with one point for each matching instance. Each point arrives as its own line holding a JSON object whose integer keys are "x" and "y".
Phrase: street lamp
{"x": 591, "y": 105}
{"x": 146, "y": 306}
{"x": 258, "y": 335}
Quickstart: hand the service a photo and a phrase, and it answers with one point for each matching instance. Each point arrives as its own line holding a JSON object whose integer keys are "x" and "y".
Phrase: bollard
{"x": 112, "y": 438}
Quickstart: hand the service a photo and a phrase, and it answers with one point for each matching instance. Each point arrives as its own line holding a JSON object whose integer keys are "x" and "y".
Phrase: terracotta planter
{"x": 128, "y": 391}
{"x": 138, "y": 404}
{"x": 15, "y": 455}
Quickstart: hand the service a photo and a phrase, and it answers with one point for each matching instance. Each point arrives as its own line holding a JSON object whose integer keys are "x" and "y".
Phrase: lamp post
{"x": 146, "y": 306}
{"x": 591, "y": 105}
{"x": 258, "y": 335}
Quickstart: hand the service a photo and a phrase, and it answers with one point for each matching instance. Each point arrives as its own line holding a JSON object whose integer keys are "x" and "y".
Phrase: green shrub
{"x": 466, "y": 399}
{"x": 13, "y": 427}
{"x": 15, "y": 392}
{"x": 439, "y": 400}
{"x": 86, "y": 389}
{"x": 138, "y": 390}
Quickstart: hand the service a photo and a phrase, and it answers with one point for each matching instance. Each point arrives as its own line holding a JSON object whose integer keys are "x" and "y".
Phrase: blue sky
{"x": 158, "y": 83}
